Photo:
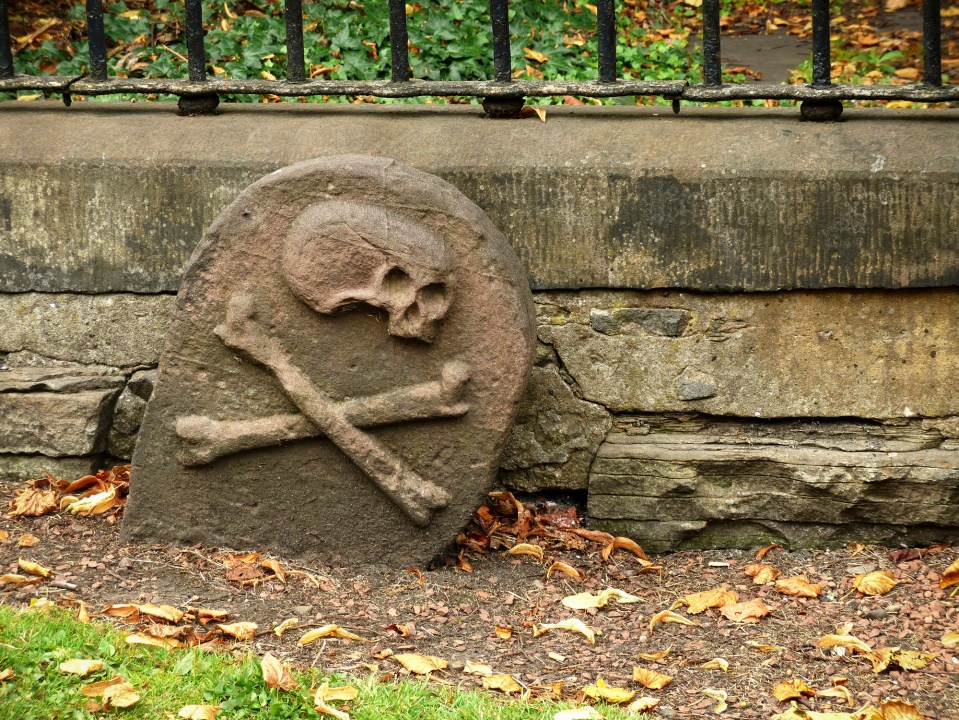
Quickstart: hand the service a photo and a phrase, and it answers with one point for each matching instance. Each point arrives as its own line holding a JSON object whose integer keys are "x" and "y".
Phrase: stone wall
{"x": 747, "y": 328}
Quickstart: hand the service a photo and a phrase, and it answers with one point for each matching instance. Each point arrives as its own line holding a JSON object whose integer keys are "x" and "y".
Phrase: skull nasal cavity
{"x": 397, "y": 283}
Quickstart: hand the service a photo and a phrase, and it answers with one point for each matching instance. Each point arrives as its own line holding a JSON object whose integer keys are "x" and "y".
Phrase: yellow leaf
{"x": 287, "y": 624}
{"x": 130, "y": 14}
{"x": 329, "y": 631}
{"x": 151, "y": 640}
{"x": 746, "y": 612}
{"x": 342, "y": 693}
{"x": 271, "y": 564}
{"x": 880, "y": 658}
{"x": 473, "y": 668}
{"x": 899, "y": 104}
{"x": 28, "y": 540}
{"x": 878, "y": 582}
{"x": 583, "y": 713}
{"x": 572, "y": 625}
{"x": 527, "y": 549}
{"x": 267, "y": 75}
{"x": 909, "y": 73}
{"x": 642, "y": 704}
{"x": 166, "y": 631}
{"x": 912, "y": 659}
{"x": 18, "y": 580}
{"x": 694, "y": 3}
{"x": 324, "y": 709}
{"x": 763, "y": 648}
{"x": 667, "y": 616}
{"x": 845, "y": 641}
{"x": 720, "y": 697}
{"x": 167, "y": 613}
{"x": 504, "y": 683}
{"x": 81, "y": 667}
{"x": 198, "y": 712}
{"x": 716, "y": 664}
{"x": 798, "y": 586}
{"x": 124, "y": 610}
{"x": 761, "y": 574}
{"x": 275, "y": 674}
{"x": 95, "y": 504}
{"x": 502, "y": 632}
{"x": 950, "y": 639}
{"x": 4, "y": 536}
{"x": 585, "y": 600}
{"x": 838, "y": 691}
{"x": 41, "y": 604}
{"x": 566, "y": 569}
{"x": 717, "y": 597}
{"x": 534, "y": 55}
{"x": 650, "y": 678}
{"x": 789, "y": 689}
{"x": 121, "y": 695}
{"x": 900, "y": 710}
{"x": 950, "y": 576}
{"x": 602, "y": 691}
{"x": 241, "y": 631}
{"x": 654, "y": 656}
{"x": 6, "y": 674}
{"x": 96, "y": 689}
{"x": 420, "y": 664}
{"x": 83, "y": 616}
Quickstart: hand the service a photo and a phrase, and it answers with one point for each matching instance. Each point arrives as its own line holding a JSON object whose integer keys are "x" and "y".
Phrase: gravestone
{"x": 351, "y": 340}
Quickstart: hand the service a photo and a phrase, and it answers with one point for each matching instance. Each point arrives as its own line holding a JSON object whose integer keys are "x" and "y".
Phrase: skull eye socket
{"x": 432, "y": 298}
{"x": 397, "y": 283}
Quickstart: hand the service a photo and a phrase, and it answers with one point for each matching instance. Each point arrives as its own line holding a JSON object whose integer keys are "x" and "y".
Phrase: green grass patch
{"x": 33, "y": 643}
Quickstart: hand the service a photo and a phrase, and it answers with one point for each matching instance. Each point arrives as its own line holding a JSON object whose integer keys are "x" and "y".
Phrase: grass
{"x": 34, "y": 642}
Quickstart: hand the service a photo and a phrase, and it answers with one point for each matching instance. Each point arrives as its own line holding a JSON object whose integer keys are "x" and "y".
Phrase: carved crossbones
{"x": 415, "y": 495}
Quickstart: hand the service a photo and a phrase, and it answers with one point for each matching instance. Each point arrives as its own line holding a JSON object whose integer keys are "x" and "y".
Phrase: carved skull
{"x": 339, "y": 254}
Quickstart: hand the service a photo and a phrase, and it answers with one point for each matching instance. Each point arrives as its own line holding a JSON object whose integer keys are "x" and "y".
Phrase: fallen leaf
{"x": 198, "y": 712}
{"x": 275, "y": 567}
{"x": 95, "y": 505}
{"x": 324, "y": 709}
{"x": 33, "y": 503}
{"x": 650, "y": 678}
{"x": 789, "y": 689}
{"x": 4, "y": 536}
{"x": 894, "y": 5}
{"x": 534, "y": 55}
{"x": 880, "y": 659}
{"x": 28, "y": 540}
{"x": 623, "y": 543}
{"x": 572, "y": 625}
{"x": 950, "y": 576}
{"x": 502, "y": 632}
{"x": 856, "y": 547}
{"x": 746, "y": 612}
{"x": 667, "y": 616}
{"x": 402, "y": 630}
{"x": 912, "y": 659}
{"x": 716, "y": 664}
{"x": 473, "y": 668}
{"x": 420, "y": 664}
{"x": 81, "y": 667}
{"x": 166, "y": 631}
{"x": 900, "y": 710}
{"x": 844, "y": 641}
{"x": 329, "y": 631}
{"x": 152, "y": 641}
{"x": 583, "y": 713}
{"x": 838, "y": 691}
{"x": 602, "y": 691}
{"x": 341, "y": 693}
{"x": 6, "y": 674}
{"x": 909, "y": 73}
{"x": 83, "y": 615}
{"x": 206, "y": 615}
{"x": 19, "y": 580}
{"x": 96, "y": 689}
{"x": 761, "y": 574}
{"x": 561, "y": 567}
{"x": 284, "y": 626}
{"x": 124, "y": 610}
{"x": 167, "y": 613}
{"x": 526, "y": 549}
{"x": 654, "y": 656}
{"x": 798, "y": 586}
{"x": 720, "y": 696}
{"x": 762, "y": 647}
{"x": 275, "y": 674}
{"x": 504, "y": 683}
{"x": 763, "y": 552}
{"x": 121, "y": 695}
{"x": 950, "y": 639}
{"x": 878, "y": 582}
{"x": 642, "y": 704}
{"x": 241, "y": 631}
{"x": 717, "y": 597}
{"x": 586, "y": 600}
{"x": 531, "y": 110}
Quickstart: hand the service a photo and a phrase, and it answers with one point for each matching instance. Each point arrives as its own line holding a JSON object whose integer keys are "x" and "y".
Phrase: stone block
{"x": 55, "y": 424}
{"x": 20, "y": 468}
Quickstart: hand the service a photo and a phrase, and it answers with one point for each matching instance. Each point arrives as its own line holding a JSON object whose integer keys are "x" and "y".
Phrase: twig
{"x": 27, "y": 39}
{"x": 62, "y": 584}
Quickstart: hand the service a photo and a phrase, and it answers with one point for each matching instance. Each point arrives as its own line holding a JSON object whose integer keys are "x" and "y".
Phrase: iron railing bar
{"x": 606, "y": 39}
{"x": 195, "y": 52}
{"x": 97, "y": 40}
{"x": 931, "y": 43}
{"x": 295, "y": 63}
{"x": 821, "y": 60}
{"x": 712, "y": 67}
{"x": 6, "y": 51}
{"x": 499, "y": 20}
{"x": 399, "y": 42}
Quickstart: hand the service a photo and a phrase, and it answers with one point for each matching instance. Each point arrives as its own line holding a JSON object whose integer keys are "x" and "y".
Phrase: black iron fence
{"x": 502, "y": 96}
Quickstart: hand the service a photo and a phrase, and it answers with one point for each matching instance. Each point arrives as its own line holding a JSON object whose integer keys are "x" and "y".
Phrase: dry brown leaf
{"x": 900, "y": 710}
{"x": 533, "y": 110}
{"x": 762, "y": 647}
{"x": 96, "y": 689}
{"x": 95, "y": 504}
{"x": 878, "y": 582}
{"x": 751, "y": 611}
{"x": 666, "y": 616}
{"x": 275, "y": 567}
{"x": 402, "y": 630}
{"x": 623, "y": 543}
{"x": 566, "y": 569}
{"x": 167, "y": 631}
{"x": 4, "y": 536}
{"x": 720, "y": 696}
{"x": 506, "y": 684}
{"x": 716, "y": 664}
{"x": 321, "y": 707}
{"x": 329, "y": 631}
{"x": 950, "y": 576}
{"x": 856, "y": 548}
{"x": 650, "y": 678}
{"x": 33, "y": 503}
{"x": 153, "y": 641}
{"x": 6, "y": 674}
{"x": 503, "y": 632}
{"x": 28, "y": 540}
{"x": 275, "y": 674}
{"x": 420, "y": 664}
{"x": 242, "y": 631}
{"x": 894, "y": 5}
{"x": 602, "y": 691}
{"x": 654, "y": 656}
{"x": 572, "y": 625}
{"x": 526, "y": 549}
{"x": 838, "y": 691}
{"x": 950, "y": 639}
{"x": 473, "y": 668}
{"x": 199, "y": 712}
{"x": 586, "y": 600}
{"x": 880, "y": 659}
{"x": 341, "y": 693}
{"x": 534, "y": 55}
{"x": 789, "y": 689}
{"x": 763, "y": 552}
{"x": 642, "y": 704}
{"x": 761, "y": 574}
{"x": 716, "y": 598}
{"x": 124, "y": 610}
{"x": 83, "y": 615}
{"x": 81, "y": 667}
{"x": 284, "y": 626}
{"x": 206, "y": 615}
{"x": 167, "y": 613}
{"x": 19, "y": 580}
{"x": 798, "y": 586}
{"x": 121, "y": 695}
{"x": 848, "y": 642}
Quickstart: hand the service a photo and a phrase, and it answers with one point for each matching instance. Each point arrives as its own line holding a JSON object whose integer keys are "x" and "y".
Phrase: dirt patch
{"x": 454, "y": 614}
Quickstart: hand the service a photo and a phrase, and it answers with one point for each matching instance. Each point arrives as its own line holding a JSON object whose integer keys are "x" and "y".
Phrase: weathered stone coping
{"x": 113, "y": 198}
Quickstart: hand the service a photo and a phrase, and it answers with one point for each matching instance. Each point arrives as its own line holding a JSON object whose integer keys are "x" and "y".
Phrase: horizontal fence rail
{"x": 503, "y": 96}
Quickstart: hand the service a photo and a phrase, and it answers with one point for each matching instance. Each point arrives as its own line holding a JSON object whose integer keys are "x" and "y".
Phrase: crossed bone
{"x": 209, "y": 439}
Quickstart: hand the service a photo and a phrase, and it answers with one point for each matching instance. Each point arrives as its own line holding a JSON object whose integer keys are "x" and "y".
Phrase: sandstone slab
{"x": 20, "y": 468}
{"x": 351, "y": 342}
{"x": 55, "y": 424}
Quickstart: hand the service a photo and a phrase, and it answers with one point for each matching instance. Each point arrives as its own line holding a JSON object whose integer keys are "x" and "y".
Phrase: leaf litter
{"x": 481, "y": 624}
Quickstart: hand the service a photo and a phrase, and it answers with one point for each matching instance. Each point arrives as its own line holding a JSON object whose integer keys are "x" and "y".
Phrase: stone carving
{"x": 351, "y": 343}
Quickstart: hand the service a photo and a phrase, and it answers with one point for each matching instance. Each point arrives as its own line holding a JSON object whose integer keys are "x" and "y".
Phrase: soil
{"x": 454, "y": 613}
